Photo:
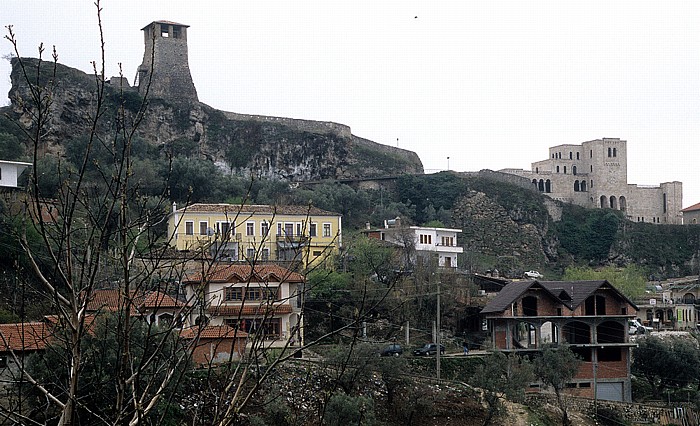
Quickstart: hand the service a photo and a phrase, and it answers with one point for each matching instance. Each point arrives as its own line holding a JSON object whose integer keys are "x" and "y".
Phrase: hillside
{"x": 203, "y": 154}
{"x": 265, "y": 147}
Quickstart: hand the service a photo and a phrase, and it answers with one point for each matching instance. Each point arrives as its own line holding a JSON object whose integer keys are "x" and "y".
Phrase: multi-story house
{"x": 594, "y": 175}
{"x": 422, "y": 241}
{"x": 263, "y": 301}
{"x": 590, "y": 316}
{"x": 257, "y": 233}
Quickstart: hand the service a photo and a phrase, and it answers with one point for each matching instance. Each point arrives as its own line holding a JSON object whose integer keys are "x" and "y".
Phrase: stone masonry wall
{"x": 679, "y": 413}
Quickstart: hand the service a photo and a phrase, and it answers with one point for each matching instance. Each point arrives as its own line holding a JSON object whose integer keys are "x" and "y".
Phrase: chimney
{"x": 174, "y": 206}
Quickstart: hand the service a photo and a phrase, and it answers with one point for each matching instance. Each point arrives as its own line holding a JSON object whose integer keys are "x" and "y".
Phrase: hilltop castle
{"x": 594, "y": 175}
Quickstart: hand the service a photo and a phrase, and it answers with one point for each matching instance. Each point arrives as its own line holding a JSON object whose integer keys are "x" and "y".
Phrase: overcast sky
{"x": 489, "y": 84}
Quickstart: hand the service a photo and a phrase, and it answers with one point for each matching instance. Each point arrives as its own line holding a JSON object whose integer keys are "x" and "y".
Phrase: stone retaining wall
{"x": 677, "y": 414}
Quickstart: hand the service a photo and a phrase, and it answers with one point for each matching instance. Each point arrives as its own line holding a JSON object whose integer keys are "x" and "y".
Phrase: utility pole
{"x": 437, "y": 335}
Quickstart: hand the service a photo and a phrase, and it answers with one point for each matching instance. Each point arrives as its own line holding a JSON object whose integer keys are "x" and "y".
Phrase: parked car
{"x": 428, "y": 349}
{"x": 533, "y": 274}
{"x": 392, "y": 350}
{"x": 636, "y": 327}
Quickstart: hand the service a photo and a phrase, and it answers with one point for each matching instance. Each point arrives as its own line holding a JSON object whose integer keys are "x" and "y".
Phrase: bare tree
{"x": 103, "y": 233}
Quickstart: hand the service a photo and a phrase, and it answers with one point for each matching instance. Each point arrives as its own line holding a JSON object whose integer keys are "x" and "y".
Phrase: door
{"x": 610, "y": 391}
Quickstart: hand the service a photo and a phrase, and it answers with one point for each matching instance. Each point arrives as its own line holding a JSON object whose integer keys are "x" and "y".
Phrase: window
{"x": 289, "y": 229}
{"x": 264, "y": 228}
{"x": 614, "y": 152}
{"x": 312, "y": 230}
{"x": 223, "y": 228}
{"x": 250, "y": 253}
{"x": 577, "y": 155}
{"x": 573, "y": 169}
{"x": 425, "y": 239}
{"x": 609, "y": 152}
{"x": 298, "y": 229}
{"x": 250, "y": 228}
{"x": 233, "y": 294}
{"x": 571, "y": 155}
{"x": 564, "y": 169}
{"x": 279, "y": 228}
{"x": 0, "y": 173}
{"x": 253, "y": 293}
{"x": 189, "y": 228}
{"x": 448, "y": 241}
{"x": 557, "y": 169}
{"x": 203, "y": 227}
{"x": 591, "y": 153}
{"x": 326, "y": 229}
{"x": 317, "y": 253}
{"x": 266, "y": 254}
{"x": 270, "y": 293}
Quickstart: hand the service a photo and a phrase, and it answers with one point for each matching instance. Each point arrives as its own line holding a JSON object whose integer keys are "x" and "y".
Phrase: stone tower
{"x": 165, "y": 55}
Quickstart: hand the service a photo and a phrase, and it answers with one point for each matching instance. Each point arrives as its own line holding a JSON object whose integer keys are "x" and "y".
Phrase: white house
{"x": 426, "y": 241}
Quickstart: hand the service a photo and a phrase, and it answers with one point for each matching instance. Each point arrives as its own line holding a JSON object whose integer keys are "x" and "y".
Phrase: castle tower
{"x": 166, "y": 55}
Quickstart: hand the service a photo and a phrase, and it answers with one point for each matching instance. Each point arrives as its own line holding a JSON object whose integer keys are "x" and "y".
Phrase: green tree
{"x": 629, "y": 280}
{"x": 664, "y": 364}
{"x": 344, "y": 409}
{"x": 555, "y": 368}
{"x": 501, "y": 377}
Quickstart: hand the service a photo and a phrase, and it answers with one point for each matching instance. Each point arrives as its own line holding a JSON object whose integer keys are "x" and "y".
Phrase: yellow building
{"x": 257, "y": 233}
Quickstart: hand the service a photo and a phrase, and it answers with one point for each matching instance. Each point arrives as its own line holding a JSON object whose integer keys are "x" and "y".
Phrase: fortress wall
{"x": 310, "y": 126}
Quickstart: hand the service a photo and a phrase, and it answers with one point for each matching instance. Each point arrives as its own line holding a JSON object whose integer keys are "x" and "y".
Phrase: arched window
{"x": 571, "y": 155}
{"x": 689, "y": 299}
{"x": 577, "y": 186}
{"x": 603, "y": 201}
{"x": 595, "y": 305}
{"x": 577, "y": 155}
{"x": 541, "y": 188}
{"x": 537, "y": 169}
{"x": 610, "y": 332}
{"x": 614, "y": 152}
{"x": 534, "y": 182}
{"x": 583, "y": 186}
{"x": 557, "y": 169}
{"x": 623, "y": 203}
{"x": 564, "y": 169}
{"x": 613, "y": 202}
{"x": 573, "y": 170}
{"x": 577, "y": 332}
{"x": 548, "y": 186}
{"x": 609, "y": 152}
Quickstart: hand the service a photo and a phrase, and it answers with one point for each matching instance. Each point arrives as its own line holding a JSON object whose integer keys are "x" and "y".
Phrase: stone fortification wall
{"x": 311, "y": 126}
{"x": 512, "y": 179}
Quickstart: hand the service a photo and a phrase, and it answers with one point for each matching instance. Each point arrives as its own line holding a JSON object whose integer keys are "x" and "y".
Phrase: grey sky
{"x": 491, "y": 84}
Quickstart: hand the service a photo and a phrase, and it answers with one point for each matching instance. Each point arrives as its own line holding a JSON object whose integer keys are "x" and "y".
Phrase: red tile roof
{"x": 692, "y": 208}
{"x": 213, "y": 332}
{"x": 28, "y": 336}
{"x": 109, "y": 300}
{"x": 247, "y": 209}
{"x": 229, "y": 310}
{"x": 246, "y": 273}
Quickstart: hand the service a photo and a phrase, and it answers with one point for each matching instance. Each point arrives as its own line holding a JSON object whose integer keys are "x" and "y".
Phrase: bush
{"x": 342, "y": 410}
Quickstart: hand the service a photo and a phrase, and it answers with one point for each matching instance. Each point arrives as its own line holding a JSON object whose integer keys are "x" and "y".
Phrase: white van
{"x": 636, "y": 327}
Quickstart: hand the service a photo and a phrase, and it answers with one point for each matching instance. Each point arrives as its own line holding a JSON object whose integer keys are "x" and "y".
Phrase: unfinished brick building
{"x": 590, "y": 316}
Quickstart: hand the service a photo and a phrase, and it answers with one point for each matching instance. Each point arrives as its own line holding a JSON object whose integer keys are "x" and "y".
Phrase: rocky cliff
{"x": 267, "y": 147}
